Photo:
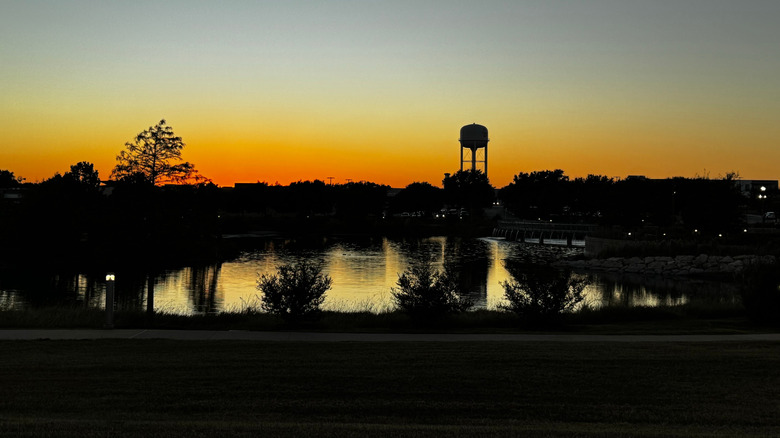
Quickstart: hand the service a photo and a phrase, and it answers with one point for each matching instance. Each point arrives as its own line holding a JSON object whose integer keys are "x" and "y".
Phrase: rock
{"x": 656, "y": 265}
{"x": 768, "y": 259}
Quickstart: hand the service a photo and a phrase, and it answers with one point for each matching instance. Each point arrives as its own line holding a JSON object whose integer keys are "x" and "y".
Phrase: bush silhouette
{"x": 760, "y": 291}
{"x": 425, "y": 292}
{"x": 295, "y": 292}
{"x": 541, "y": 294}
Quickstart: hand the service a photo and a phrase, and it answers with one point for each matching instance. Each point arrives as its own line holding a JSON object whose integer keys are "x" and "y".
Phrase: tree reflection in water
{"x": 638, "y": 290}
{"x": 469, "y": 261}
{"x": 363, "y": 271}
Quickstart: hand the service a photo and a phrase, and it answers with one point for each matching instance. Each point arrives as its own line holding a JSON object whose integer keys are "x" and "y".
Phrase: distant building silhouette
{"x": 474, "y": 138}
{"x": 749, "y": 186}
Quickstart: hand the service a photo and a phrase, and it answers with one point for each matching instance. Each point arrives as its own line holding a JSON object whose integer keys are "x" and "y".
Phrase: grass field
{"x": 193, "y": 389}
{"x": 715, "y": 319}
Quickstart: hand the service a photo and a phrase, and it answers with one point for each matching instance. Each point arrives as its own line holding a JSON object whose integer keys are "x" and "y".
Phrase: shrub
{"x": 425, "y": 292}
{"x": 540, "y": 294}
{"x": 760, "y": 291}
{"x": 296, "y": 291}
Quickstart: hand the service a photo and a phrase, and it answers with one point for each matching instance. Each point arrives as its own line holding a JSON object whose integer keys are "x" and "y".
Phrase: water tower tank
{"x": 473, "y": 138}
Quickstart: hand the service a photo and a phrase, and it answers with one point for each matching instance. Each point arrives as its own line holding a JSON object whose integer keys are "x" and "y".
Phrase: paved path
{"x": 205, "y": 335}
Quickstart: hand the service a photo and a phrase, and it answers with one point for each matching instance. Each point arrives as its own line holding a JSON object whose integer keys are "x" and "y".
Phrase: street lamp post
{"x": 110, "y": 300}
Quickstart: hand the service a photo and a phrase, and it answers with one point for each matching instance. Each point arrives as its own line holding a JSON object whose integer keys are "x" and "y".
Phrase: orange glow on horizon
{"x": 398, "y": 159}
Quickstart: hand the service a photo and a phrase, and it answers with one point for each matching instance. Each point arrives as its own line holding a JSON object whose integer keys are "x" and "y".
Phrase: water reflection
{"x": 363, "y": 273}
{"x": 637, "y": 290}
{"x": 470, "y": 261}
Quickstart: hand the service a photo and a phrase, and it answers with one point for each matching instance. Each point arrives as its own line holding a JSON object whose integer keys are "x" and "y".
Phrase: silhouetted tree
{"x": 541, "y": 293}
{"x": 469, "y": 189}
{"x": 592, "y": 196}
{"x": 65, "y": 209}
{"x": 296, "y": 291}
{"x": 307, "y": 198}
{"x": 760, "y": 291}
{"x": 537, "y": 194}
{"x": 84, "y": 174}
{"x": 424, "y": 292}
{"x": 250, "y": 198}
{"x": 360, "y": 199}
{"x": 418, "y": 196}
{"x": 156, "y": 155}
{"x": 8, "y": 180}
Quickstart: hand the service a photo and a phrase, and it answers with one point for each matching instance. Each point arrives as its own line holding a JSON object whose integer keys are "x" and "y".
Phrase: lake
{"x": 363, "y": 271}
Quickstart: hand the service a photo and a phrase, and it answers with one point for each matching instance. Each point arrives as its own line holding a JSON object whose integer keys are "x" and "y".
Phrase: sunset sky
{"x": 280, "y": 91}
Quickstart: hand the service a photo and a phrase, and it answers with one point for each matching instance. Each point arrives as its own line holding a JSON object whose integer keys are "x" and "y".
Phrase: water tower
{"x": 474, "y": 138}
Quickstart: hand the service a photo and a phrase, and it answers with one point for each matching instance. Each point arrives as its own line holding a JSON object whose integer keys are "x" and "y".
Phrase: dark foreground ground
{"x": 147, "y": 388}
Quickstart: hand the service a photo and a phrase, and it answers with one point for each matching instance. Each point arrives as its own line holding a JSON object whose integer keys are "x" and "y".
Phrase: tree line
{"x": 154, "y": 197}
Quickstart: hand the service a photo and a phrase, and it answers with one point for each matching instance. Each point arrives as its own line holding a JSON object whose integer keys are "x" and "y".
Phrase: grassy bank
{"x": 699, "y": 319}
{"x": 186, "y": 389}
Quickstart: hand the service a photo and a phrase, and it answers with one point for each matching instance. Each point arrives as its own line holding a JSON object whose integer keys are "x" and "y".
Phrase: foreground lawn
{"x": 192, "y": 389}
{"x": 721, "y": 319}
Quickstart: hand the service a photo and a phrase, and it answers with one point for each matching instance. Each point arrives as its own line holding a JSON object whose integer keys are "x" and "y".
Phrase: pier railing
{"x": 544, "y": 232}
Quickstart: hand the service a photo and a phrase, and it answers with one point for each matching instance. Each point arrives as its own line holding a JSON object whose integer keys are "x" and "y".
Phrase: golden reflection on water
{"x": 363, "y": 274}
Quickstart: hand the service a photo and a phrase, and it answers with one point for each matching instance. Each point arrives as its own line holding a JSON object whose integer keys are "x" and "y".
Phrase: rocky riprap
{"x": 681, "y": 265}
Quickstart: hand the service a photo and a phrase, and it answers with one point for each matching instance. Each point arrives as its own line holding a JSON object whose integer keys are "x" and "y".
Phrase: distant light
{"x": 695, "y": 231}
{"x": 745, "y": 230}
{"x": 629, "y": 234}
{"x": 664, "y": 234}
{"x": 110, "y": 277}
{"x": 720, "y": 235}
{"x": 763, "y": 189}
